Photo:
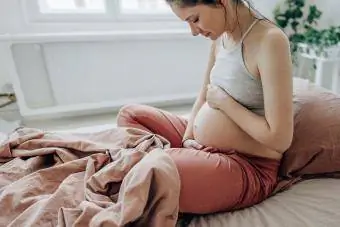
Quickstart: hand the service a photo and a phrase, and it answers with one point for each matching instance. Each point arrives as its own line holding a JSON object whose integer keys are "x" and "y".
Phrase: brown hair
{"x": 188, "y": 3}
{"x": 191, "y": 3}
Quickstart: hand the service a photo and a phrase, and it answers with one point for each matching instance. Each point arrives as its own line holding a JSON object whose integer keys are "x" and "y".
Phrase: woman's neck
{"x": 244, "y": 17}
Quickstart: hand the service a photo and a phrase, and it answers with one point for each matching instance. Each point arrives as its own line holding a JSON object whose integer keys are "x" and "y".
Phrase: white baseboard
{"x": 104, "y": 107}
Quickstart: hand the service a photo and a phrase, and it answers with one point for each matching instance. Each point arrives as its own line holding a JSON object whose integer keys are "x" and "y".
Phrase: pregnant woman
{"x": 228, "y": 152}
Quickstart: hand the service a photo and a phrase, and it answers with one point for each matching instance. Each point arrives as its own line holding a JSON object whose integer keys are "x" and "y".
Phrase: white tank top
{"x": 231, "y": 74}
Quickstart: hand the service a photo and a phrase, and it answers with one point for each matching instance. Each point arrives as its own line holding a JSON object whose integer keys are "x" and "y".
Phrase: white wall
{"x": 65, "y": 64}
{"x": 4, "y": 79}
{"x": 14, "y": 21}
{"x": 53, "y": 63}
{"x": 8, "y": 17}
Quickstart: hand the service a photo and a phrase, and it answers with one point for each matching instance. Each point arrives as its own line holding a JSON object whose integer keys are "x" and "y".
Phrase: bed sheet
{"x": 312, "y": 203}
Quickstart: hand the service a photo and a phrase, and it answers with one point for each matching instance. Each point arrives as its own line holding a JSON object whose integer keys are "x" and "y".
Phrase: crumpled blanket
{"x": 116, "y": 177}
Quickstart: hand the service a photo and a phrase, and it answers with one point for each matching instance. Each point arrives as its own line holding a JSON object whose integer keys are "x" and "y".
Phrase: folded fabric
{"x": 109, "y": 178}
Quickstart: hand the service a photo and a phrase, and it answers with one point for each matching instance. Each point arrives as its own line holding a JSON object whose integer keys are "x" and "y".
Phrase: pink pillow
{"x": 315, "y": 149}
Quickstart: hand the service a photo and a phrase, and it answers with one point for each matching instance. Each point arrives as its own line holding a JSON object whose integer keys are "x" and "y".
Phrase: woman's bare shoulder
{"x": 269, "y": 33}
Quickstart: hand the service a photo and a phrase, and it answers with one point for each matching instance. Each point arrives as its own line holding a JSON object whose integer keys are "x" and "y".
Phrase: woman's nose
{"x": 195, "y": 31}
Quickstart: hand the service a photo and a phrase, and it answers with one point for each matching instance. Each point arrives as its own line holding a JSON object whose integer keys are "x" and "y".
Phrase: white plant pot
{"x": 311, "y": 52}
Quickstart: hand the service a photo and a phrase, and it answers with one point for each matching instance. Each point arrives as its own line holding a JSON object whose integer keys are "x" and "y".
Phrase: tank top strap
{"x": 249, "y": 29}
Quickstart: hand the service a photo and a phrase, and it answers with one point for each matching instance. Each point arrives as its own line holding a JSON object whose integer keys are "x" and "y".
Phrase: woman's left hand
{"x": 216, "y": 96}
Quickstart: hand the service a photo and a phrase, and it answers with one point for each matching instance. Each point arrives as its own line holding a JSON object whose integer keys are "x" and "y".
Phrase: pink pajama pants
{"x": 211, "y": 181}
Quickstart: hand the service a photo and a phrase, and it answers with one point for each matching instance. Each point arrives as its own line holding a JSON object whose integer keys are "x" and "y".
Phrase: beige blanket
{"x": 110, "y": 178}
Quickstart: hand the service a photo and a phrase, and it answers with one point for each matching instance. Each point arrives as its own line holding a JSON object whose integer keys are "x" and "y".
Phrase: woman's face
{"x": 207, "y": 20}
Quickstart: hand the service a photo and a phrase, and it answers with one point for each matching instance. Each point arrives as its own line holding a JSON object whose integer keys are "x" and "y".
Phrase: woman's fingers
{"x": 192, "y": 144}
{"x": 196, "y": 145}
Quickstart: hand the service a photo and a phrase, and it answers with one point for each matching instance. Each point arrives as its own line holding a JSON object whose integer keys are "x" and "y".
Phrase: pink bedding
{"x": 109, "y": 178}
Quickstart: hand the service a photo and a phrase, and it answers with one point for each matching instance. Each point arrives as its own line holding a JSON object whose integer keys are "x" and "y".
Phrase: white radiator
{"x": 57, "y": 75}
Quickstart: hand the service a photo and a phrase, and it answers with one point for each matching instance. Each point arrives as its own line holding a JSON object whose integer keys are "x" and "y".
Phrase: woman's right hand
{"x": 192, "y": 144}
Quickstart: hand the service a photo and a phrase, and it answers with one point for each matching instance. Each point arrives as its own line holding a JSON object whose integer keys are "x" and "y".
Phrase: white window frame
{"x": 32, "y": 11}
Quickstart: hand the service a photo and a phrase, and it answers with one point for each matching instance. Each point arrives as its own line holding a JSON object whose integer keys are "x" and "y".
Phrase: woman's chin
{"x": 213, "y": 38}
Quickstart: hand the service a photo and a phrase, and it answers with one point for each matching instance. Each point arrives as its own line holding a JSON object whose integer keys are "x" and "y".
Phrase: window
{"x": 72, "y": 6}
{"x": 105, "y": 8}
{"x": 111, "y": 15}
{"x": 144, "y": 7}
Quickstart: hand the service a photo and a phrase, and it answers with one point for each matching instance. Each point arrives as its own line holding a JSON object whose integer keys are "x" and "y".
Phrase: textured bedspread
{"x": 108, "y": 178}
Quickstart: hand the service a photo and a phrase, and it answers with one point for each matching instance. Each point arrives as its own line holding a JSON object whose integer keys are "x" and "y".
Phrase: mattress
{"x": 312, "y": 203}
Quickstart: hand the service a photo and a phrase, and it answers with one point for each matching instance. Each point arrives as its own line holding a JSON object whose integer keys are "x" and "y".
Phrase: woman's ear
{"x": 224, "y": 3}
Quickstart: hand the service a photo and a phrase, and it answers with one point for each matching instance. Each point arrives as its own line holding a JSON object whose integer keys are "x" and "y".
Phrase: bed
{"x": 312, "y": 203}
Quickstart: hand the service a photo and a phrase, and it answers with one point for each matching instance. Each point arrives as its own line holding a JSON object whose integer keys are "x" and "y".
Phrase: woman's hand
{"x": 215, "y": 96}
{"x": 192, "y": 144}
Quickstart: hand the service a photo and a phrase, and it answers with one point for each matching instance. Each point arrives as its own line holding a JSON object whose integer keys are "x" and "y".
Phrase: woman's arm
{"x": 275, "y": 130}
{"x": 201, "y": 99}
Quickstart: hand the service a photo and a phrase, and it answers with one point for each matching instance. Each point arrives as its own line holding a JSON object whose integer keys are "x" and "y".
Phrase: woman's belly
{"x": 214, "y": 128}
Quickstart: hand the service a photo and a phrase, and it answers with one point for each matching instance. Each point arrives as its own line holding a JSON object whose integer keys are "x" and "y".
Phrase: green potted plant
{"x": 300, "y": 23}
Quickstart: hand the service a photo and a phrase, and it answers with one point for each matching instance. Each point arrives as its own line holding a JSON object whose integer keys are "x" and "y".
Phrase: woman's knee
{"x": 209, "y": 182}
{"x": 129, "y": 113}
